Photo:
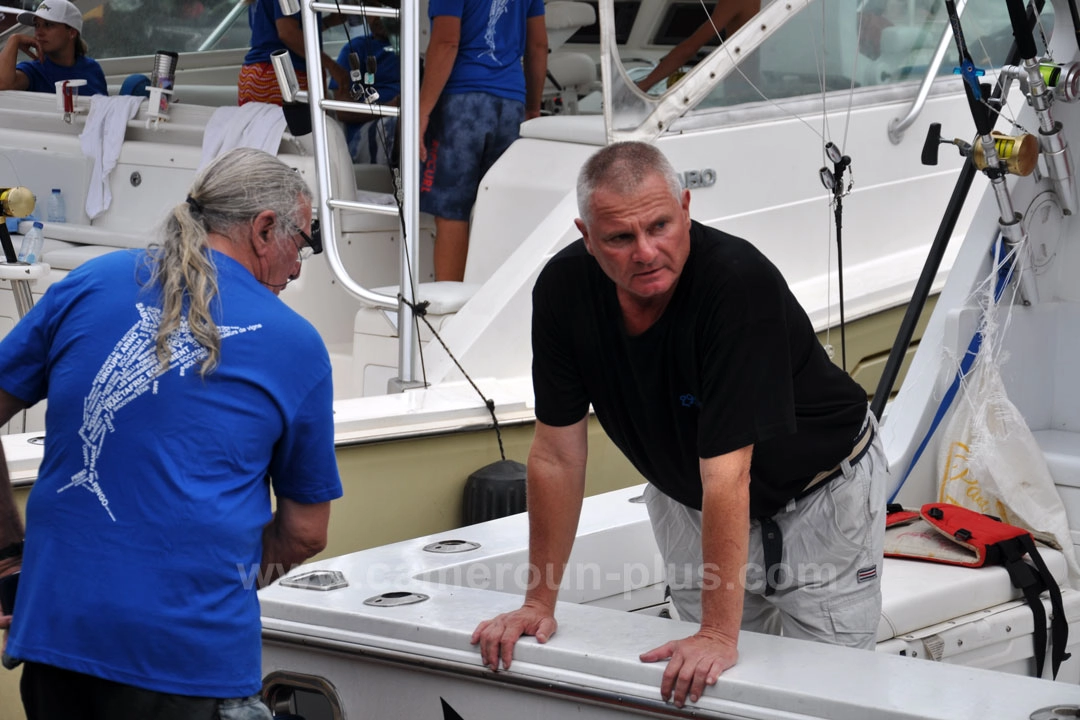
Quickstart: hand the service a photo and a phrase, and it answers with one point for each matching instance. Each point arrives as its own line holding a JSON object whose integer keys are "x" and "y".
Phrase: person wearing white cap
{"x": 56, "y": 50}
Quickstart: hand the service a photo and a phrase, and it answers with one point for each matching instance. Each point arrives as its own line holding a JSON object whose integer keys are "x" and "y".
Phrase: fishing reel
{"x": 362, "y": 87}
{"x": 1019, "y": 154}
{"x": 16, "y": 202}
{"x": 1062, "y": 79}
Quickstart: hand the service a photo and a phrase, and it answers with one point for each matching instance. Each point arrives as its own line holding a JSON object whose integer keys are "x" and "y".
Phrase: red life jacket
{"x": 989, "y": 541}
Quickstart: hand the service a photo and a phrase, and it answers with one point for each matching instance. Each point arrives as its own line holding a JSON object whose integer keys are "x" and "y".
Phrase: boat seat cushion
{"x": 563, "y": 18}
{"x": 917, "y": 594}
{"x": 444, "y": 297}
{"x": 571, "y": 69}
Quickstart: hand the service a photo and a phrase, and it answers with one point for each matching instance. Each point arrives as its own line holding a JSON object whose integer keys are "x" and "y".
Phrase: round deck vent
{"x": 1058, "y": 712}
{"x": 452, "y": 546}
{"x": 395, "y": 599}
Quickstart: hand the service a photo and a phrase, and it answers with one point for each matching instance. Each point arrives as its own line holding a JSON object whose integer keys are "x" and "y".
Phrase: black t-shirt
{"x": 733, "y": 361}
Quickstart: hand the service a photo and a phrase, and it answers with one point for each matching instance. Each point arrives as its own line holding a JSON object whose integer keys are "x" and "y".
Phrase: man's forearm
{"x": 11, "y": 525}
{"x": 724, "y": 547}
{"x": 437, "y": 67}
{"x": 725, "y": 530}
{"x": 556, "y": 487}
{"x": 9, "y": 58}
{"x": 296, "y": 533}
{"x": 536, "y": 52}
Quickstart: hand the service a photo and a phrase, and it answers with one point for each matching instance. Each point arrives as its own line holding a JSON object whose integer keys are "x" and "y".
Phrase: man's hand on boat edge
{"x": 693, "y": 663}
{"x": 497, "y": 637}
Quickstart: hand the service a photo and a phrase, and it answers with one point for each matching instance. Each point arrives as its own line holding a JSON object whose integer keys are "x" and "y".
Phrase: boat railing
{"x": 899, "y": 125}
{"x": 329, "y": 205}
{"x": 223, "y": 27}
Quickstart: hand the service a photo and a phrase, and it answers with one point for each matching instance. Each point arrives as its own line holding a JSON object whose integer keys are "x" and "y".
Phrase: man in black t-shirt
{"x": 766, "y": 481}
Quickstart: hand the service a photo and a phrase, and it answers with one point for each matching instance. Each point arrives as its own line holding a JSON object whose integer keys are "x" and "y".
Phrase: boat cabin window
{"x": 680, "y": 21}
{"x": 625, "y": 15}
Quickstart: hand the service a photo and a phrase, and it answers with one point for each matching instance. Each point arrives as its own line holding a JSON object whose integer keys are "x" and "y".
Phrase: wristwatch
{"x": 15, "y": 549}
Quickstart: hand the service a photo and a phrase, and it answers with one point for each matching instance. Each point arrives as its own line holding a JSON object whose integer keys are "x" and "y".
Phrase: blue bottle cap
{"x": 38, "y": 225}
{"x": 56, "y": 190}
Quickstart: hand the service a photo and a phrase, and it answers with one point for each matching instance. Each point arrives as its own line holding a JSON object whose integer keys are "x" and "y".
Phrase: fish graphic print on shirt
{"x": 130, "y": 370}
{"x": 498, "y": 9}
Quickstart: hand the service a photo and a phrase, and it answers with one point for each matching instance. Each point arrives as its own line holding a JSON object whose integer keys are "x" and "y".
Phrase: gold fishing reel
{"x": 1019, "y": 154}
{"x": 16, "y": 201}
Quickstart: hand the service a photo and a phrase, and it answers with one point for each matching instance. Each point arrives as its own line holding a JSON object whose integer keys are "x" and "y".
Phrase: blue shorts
{"x": 466, "y": 135}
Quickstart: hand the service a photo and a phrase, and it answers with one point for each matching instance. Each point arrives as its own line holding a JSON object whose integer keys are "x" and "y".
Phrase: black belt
{"x": 861, "y": 447}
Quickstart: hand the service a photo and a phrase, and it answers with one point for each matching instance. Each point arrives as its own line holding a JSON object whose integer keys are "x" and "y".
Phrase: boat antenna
{"x": 833, "y": 180}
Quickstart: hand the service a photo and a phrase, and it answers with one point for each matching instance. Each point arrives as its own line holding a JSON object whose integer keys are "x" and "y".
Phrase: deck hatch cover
{"x": 321, "y": 580}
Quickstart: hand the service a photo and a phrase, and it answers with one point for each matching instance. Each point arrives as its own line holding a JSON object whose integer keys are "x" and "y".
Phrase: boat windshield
{"x": 829, "y": 46}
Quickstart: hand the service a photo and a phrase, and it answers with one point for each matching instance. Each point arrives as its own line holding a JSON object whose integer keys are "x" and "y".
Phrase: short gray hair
{"x": 229, "y": 193}
{"x": 621, "y": 167}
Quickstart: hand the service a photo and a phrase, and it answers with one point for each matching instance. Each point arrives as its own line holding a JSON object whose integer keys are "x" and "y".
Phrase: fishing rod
{"x": 946, "y": 228}
{"x": 996, "y": 154}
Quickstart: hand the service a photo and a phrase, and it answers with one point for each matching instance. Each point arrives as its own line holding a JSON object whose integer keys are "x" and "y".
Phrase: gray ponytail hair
{"x": 228, "y": 194}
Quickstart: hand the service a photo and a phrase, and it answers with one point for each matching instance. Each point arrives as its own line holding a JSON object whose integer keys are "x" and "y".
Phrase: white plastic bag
{"x": 989, "y": 461}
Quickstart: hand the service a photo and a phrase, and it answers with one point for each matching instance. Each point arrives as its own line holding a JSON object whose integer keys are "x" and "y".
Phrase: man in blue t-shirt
{"x": 182, "y": 394}
{"x": 56, "y": 49}
{"x": 473, "y": 100}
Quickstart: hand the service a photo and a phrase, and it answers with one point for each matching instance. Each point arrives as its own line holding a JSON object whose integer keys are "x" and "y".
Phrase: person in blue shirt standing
{"x": 56, "y": 50}
{"x": 271, "y": 30}
{"x": 473, "y": 100}
{"x": 182, "y": 394}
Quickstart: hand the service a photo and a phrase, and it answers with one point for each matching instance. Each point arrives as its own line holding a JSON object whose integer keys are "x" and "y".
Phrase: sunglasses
{"x": 312, "y": 243}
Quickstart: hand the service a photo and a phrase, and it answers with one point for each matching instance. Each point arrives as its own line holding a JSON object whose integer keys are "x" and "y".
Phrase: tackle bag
{"x": 955, "y": 535}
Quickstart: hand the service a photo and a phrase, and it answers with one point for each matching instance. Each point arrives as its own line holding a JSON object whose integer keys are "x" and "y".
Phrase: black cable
{"x": 420, "y": 311}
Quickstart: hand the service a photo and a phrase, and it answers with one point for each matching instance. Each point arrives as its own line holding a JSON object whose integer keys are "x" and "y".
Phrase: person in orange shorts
{"x": 271, "y": 30}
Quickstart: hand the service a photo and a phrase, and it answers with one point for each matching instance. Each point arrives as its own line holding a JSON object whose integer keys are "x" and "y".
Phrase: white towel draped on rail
{"x": 253, "y": 125}
{"x": 101, "y": 140}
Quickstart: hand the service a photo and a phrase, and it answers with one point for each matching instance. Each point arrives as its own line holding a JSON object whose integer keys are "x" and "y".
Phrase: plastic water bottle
{"x": 30, "y": 250}
{"x": 56, "y": 210}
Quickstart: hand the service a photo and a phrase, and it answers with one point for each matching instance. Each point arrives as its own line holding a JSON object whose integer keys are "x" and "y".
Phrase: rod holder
{"x": 286, "y": 75}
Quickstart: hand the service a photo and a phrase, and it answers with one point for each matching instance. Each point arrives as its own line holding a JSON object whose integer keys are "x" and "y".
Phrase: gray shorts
{"x": 828, "y": 584}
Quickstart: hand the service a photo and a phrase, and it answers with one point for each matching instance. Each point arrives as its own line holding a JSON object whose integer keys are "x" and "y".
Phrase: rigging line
{"x": 851, "y": 88}
{"x": 823, "y": 83}
{"x": 1001, "y": 275}
{"x": 737, "y": 67}
{"x": 420, "y": 311}
{"x": 380, "y": 130}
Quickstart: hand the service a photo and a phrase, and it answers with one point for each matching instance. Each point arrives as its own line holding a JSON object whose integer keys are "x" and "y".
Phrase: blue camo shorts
{"x": 466, "y": 135}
